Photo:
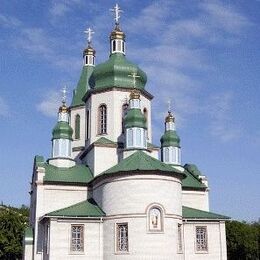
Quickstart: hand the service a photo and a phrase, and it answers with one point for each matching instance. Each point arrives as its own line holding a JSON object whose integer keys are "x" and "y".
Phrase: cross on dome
{"x": 134, "y": 76}
{"x": 117, "y": 10}
{"x": 89, "y": 33}
{"x": 169, "y": 102}
{"x": 64, "y": 94}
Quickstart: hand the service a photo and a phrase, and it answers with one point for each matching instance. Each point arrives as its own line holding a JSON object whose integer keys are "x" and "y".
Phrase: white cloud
{"x": 50, "y": 104}
{"x": 38, "y": 44}
{"x": 225, "y": 16}
{"x": 9, "y": 21}
{"x": 219, "y": 109}
{"x": 60, "y": 8}
{"x": 4, "y": 108}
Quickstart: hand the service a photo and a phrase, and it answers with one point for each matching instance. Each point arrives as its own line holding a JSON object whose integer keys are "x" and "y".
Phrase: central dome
{"x": 115, "y": 73}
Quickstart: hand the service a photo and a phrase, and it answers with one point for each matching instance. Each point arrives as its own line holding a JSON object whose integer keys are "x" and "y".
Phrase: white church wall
{"x": 100, "y": 159}
{"x": 28, "y": 252}
{"x": 142, "y": 244}
{"x": 60, "y": 238}
{"x": 133, "y": 194}
{"x": 114, "y": 101}
{"x": 216, "y": 241}
{"x": 196, "y": 199}
{"x": 60, "y": 196}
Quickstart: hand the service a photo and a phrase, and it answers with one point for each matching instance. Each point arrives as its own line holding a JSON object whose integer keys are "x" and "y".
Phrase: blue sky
{"x": 204, "y": 55}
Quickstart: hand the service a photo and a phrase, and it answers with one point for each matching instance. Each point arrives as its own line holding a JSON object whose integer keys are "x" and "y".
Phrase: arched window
{"x": 124, "y": 112}
{"x": 87, "y": 126}
{"x": 113, "y": 45}
{"x": 102, "y": 119}
{"x": 155, "y": 219}
{"x": 77, "y": 127}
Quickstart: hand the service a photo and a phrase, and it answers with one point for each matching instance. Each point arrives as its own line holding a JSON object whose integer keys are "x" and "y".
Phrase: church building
{"x": 107, "y": 192}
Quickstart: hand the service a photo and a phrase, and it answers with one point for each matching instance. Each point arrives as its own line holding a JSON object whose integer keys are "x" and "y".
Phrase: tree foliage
{"x": 243, "y": 240}
{"x": 13, "y": 222}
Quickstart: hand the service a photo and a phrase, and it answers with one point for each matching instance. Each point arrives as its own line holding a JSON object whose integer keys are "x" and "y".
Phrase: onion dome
{"x": 115, "y": 71}
{"x": 170, "y": 136}
{"x": 62, "y": 130}
{"x": 134, "y": 116}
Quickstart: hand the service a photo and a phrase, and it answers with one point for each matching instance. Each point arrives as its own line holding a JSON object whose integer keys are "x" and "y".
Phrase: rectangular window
{"x": 77, "y": 238}
{"x": 201, "y": 239}
{"x": 180, "y": 238}
{"x": 122, "y": 237}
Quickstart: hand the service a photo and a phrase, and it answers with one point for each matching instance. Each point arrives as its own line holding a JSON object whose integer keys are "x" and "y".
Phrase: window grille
{"x": 201, "y": 239}
{"x": 122, "y": 237}
{"x": 77, "y": 238}
{"x": 102, "y": 119}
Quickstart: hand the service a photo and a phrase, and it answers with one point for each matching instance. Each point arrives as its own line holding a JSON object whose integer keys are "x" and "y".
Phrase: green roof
{"x": 82, "y": 87}
{"x": 86, "y": 208}
{"x": 28, "y": 236}
{"x": 115, "y": 73}
{"x": 105, "y": 141}
{"x": 192, "y": 181}
{"x": 62, "y": 130}
{"x": 140, "y": 161}
{"x": 170, "y": 138}
{"x": 191, "y": 213}
{"x": 135, "y": 118}
{"x": 78, "y": 174}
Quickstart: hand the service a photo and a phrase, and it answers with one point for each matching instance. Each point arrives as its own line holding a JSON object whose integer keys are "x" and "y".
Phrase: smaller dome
{"x": 135, "y": 94}
{"x": 169, "y": 117}
{"x": 62, "y": 130}
{"x": 63, "y": 109}
{"x": 117, "y": 34}
{"x": 89, "y": 51}
{"x": 170, "y": 138}
{"x": 135, "y": 118}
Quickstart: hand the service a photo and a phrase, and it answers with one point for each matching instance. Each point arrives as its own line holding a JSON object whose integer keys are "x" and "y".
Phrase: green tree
{"x": 242, "y": 240}
{"x": 12, "y": 225}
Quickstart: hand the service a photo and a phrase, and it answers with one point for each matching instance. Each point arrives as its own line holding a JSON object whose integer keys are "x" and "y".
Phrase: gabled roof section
{"x": 82, "y": 87}
{"x": 191, "y": 213}
{"x": 192, "y": 181}
{"x": 140, "y": 161}
{"x": 104, "y": 141}
{"x": 78, "y": 174}
{"x": 87, "y": 208}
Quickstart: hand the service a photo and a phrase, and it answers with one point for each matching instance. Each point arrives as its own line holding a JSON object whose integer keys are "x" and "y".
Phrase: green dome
{"x": 170, "y": 138}
{"x": 135, "y": 118}
{"x": 115, "y": 73}
{"x": 62, "y": 130}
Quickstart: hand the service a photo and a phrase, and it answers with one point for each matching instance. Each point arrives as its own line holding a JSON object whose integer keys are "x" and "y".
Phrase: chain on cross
{"x": 117, "y": 10}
